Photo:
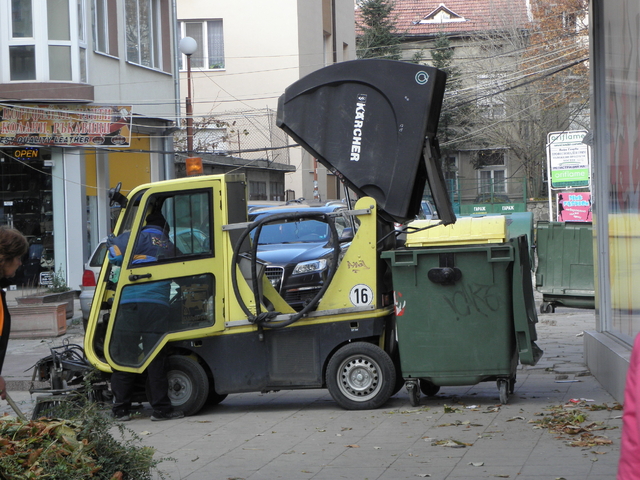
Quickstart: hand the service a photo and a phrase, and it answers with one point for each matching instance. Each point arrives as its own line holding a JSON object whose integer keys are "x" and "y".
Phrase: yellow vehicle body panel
{"x": 351, "y": 296}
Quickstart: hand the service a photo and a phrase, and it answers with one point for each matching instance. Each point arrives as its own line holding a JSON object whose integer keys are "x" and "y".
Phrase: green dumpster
{"x": 464, "y": 314}
{"x": 564, "y": 274}
{"x": 521, "y": 223}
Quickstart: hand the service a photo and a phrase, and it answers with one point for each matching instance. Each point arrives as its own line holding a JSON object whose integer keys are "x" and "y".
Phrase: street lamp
{"x": 188, "y": 47}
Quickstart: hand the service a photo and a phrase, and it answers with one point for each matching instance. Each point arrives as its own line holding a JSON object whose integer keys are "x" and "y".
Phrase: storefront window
{"x": 26, "y": 204}
{"x": 622, "y": 100}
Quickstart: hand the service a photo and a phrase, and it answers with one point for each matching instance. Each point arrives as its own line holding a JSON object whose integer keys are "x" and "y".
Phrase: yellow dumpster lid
{"x": 466, "y": 230}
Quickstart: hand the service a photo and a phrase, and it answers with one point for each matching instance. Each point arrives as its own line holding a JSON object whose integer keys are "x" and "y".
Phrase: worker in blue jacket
{"x": 142, "y": 319}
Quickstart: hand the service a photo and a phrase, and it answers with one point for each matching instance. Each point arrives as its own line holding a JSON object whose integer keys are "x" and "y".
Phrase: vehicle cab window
{"x": 155, "y": 298}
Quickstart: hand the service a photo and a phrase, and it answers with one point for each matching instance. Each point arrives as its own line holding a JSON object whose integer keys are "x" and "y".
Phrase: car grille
{"x": 301, "y": 297}
{"x": 275, "y": 274}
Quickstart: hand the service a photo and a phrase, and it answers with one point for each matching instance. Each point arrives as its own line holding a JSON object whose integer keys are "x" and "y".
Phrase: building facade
{"x": 88, "y": 98}
{"x": 247, "y": 55}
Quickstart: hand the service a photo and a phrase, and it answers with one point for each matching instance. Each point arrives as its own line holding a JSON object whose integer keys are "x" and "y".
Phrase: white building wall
{"x": 268, "y": 46}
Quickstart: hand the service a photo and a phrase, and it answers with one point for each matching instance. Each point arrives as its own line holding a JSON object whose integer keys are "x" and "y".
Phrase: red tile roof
{"x": 473, "y": 16}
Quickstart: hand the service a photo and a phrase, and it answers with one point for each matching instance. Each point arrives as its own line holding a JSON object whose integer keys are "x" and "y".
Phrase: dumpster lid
{"x": 524, "y": 308}
{"x": 373, "y": 124}
{"x": 466, "y": 230}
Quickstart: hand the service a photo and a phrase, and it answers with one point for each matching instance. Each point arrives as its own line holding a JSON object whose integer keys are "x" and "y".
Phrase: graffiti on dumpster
{"x": 399, "y": 304}
{"x": 473, "y": 299}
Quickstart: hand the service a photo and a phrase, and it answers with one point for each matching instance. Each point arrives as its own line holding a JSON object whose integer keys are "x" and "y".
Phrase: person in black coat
{"x": 13, "y": 245}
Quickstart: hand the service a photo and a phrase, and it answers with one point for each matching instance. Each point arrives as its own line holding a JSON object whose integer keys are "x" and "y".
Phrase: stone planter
{"x": 38, "y": 320}
{"x": 61, "y": 297}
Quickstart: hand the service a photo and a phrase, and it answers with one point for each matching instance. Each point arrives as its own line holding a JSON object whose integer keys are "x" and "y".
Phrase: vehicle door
{"x": 169, "y": 284}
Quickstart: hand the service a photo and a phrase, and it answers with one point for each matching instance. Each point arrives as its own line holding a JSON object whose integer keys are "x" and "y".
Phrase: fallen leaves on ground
{"x": 569, "y": 420}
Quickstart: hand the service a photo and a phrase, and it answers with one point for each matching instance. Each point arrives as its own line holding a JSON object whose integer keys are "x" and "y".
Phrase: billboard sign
{"x": 65, "y": 125}
{"x": 568, "y": 159}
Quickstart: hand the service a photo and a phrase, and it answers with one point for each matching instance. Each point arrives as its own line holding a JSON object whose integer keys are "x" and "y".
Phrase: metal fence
{"x": 477, "y": 197}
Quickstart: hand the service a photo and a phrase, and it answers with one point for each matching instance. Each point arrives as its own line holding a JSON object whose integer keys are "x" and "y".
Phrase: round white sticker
{"x": 361, "y": 295}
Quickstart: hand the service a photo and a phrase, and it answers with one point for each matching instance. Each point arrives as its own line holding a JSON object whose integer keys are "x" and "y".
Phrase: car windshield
{"x": 306, "y": 231}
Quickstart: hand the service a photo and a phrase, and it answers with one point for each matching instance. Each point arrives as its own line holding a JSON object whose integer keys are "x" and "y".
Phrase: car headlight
{"x": 310, "y": 266}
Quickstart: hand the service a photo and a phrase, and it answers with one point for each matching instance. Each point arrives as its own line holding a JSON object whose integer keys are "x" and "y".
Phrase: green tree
{"x": 378, "y": 36}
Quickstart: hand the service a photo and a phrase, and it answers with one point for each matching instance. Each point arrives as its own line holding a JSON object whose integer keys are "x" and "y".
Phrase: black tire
{"x": 188, "y": 384}
{"x": 360, "y": 376}
{"x": 427, "y": 388}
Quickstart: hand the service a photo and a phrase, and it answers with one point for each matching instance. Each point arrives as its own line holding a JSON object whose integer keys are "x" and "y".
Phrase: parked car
{"x": 427, "y": 211}
{"x": 297, "y": 253}
{"x": 90, "y": 275}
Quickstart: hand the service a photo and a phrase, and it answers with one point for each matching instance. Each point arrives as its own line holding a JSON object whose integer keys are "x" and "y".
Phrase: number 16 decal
{"x": 361, "y": 295}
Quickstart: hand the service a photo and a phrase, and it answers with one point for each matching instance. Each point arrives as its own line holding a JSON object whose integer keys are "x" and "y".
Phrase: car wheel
{"x": 188, "y": 384}
{"x": 360, "y": 376}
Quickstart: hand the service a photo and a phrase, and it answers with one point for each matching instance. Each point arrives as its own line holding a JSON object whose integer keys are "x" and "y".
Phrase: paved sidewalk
{"x": 305, "y": 435}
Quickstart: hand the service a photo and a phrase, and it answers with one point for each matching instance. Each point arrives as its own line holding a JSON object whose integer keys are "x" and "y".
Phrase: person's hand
{"x": 3, "y": 389}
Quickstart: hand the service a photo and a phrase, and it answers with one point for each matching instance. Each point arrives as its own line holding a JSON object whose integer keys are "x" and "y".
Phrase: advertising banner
{"x": 574, "y": 207}
{"x": 568, "y": 159}
{"x": 65, "y": 125}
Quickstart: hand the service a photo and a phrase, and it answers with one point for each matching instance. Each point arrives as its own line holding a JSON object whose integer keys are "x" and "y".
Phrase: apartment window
{"x": 22, "y": 62}
{"x": 492, "y": 181}
{"x": 491, "y": 165}
{"x": 105, "y": 27}
{"x": 47, "y": 41}
{"x": 209, "y": 36}
{"x": 21, "y": 19}
{"x": 257, "y": 190}
{"x": 142, "y": 18}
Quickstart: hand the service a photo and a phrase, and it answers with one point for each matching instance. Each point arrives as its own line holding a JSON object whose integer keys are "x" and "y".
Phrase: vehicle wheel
{"x": 503, "y": 388}
{"x": 188, "y": 384}
{"x": 414, "y": 393}
{"x": 360, "y": 376}
{"x": 427, "y": 388}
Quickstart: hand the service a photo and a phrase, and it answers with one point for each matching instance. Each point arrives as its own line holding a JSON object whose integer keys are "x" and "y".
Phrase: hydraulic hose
{"x": 263, "y": 317}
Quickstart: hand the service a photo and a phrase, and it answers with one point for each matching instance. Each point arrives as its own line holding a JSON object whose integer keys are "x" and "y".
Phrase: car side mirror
{"x": 347, "y": 235}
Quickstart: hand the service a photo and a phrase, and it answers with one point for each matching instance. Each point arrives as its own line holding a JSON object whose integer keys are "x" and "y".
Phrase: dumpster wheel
{"x": 503, "y": 388}
{"x": 360, "y": 376}
{"x": 546, "y": 307}
{"x": 428, "y": 388}
{"x": 414, "y": 393}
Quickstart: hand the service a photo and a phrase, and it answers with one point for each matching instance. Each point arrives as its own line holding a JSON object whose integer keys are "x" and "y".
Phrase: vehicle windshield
{"x": 305, "y": 231}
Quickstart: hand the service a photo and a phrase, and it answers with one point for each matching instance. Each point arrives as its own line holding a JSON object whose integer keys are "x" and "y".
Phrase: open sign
{"x": 26, "y": 152}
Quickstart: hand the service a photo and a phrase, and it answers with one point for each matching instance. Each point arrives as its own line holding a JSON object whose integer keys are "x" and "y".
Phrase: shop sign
{"x": 26, "y": 153}
{"x": 574, "y": 207}
{"x": 65, "y": 125}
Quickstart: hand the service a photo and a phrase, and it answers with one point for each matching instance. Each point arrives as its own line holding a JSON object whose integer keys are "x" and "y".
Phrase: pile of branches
{"x": 79, "y": 448}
